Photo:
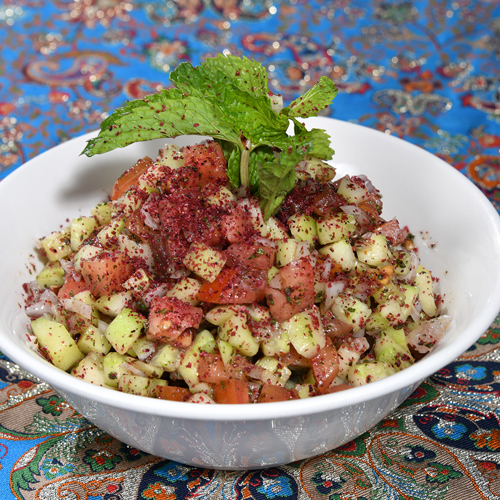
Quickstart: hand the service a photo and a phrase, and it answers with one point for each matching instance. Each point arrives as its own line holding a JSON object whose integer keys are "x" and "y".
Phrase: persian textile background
{"x": 425, "y": 71}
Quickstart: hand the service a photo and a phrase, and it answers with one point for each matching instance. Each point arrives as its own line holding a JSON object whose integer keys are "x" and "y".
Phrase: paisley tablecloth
{"x": 427, "y": 71}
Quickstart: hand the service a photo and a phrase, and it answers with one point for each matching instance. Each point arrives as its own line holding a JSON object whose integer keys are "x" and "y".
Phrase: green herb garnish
{"x": 228, "y": 99}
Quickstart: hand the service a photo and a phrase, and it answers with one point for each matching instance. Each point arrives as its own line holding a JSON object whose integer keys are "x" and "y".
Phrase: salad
{"x": 235, "y": 270}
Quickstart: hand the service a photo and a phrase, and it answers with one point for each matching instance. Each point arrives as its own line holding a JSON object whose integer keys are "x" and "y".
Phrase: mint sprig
{"x": 228, "y": 98}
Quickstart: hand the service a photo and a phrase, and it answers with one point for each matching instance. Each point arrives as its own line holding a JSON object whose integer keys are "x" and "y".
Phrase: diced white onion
{"x": 158, "y": 291}
{"x": 129, "y": 367}
{"x": 276, "y": 281}
{"x": 332, "y": 290}
{"x": 425, "y": 336}
{"x": 43, "y": 306}
{"x": 77, "y": 306}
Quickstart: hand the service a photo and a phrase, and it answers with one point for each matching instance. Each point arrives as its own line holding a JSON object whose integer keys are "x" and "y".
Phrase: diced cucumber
{"x": 351, "y": 310}
{"x": 276, "y": 373}
{"x": 142, "y": 348}
{"x": 150, "y": 370}
{"x": 188, "y": 369}
{"x": 186, "y": 289}
{"x": 373, "y": 250}
{"x": 317, "y": 169}
{"x": 403, "y": 262}
{"x": 139, "y": 282}
{"x": 391, "y": 347}
{"x": 340, "y": 252}
{"x": 128, "y": 202}
{"x": 303, "y": 227}
{"x": 227, "y": 351}
{"x": 153, "y": 384}
{"x": 392, "y": 311}
{"x": 56, "y": 343}
{"x": 305, "y": 332}
{"x": 276, "y": 229}
{"x": 280, "y": 344}
{"x": 108, "y": 235}
{"x": 305, "y": 390}
{"x": 51, "y": 275}
{"x": 86, "y": 252}
{"x": 114, "y": 365}
{"x": 93, "y": 340}
{"x": 376, "y": 322}
{"x": 220, "y": 314}
{"x": 353, "y": 190}
{"x": 259, "y": 312}
{"x": 390, "y": 291}
{"x": 222, "y": 198}
{"x": 423, "y": 280}
{"x": 348, "y": 355}
{"x": 102, "y": 213}
{"x": 171, "y": 157}
{"x": 271, "y": 273}
{"x": 57, "y": 245}
{"x": 335, "y": 228}
{"x": 235, "y": 331}
{"x": 90, "y": 369}
{"x": 112, "y": 305}
{"x": 167, "y": 357}
{"x": 364, "y": 373}
{"x": 411, "y": 295}
{"x": 125, "y": 329}
{"x": 205, "y": 261}
{"x": 133, "y": 384}
{"x": 285, "y": 252}
{"x": 80, "y": 229}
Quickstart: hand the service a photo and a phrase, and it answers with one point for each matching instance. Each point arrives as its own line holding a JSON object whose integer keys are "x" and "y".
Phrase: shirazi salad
{"x": 235, "y": 270}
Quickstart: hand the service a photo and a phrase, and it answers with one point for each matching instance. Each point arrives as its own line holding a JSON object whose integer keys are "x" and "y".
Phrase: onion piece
{"x": 276, "y": 281}
{"x": 44, "y": 305}
{"x": 333, "y": 288}
{"x": 427, "y": 334}
{"x": 77, "y": 306}
{"x": 362, "y": 217}
{"x": 158, "y": 291}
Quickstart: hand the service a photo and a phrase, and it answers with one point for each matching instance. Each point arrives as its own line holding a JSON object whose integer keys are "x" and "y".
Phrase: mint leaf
{"x": 158, "y": 116}
{"x": 227, "y": 98}
{"x": 319, "y": 97}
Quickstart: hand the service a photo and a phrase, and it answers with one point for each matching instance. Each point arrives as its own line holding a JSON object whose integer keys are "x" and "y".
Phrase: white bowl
{"x": 457, "y": 231}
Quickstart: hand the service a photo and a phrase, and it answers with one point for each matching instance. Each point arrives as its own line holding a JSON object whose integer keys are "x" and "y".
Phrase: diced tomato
{"x": 71, "y": 287}
{"x": 209, "y": 160}
{"x": 273, "y": 393}
{"x": 393, "y": 232}
{"x": 236, "y": 226}
{"x": 293, "y": 358}
{"x": 235, "y": 286}
{"x": 211, "y": 368}
{"x": 325, "y": 366}
{"x": 232, "y": 391}
{"x": 297, "y": 290}
{"x": 130, "y": 177}
{"x": 212, "y": 292}
{"x": 256, "y": 256}
{"x": 136, "y": 226}
{"x": 105, "y": 273}
{"x": 172, "y": 393}
{"x": 169, "y": 317}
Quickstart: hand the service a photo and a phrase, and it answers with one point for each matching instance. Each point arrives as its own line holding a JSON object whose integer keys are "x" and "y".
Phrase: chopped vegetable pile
{"x": 236, "y": 270}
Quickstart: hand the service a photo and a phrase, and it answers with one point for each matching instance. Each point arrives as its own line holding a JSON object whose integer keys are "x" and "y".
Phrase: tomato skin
{"x": 274, "y": 393}
{"x": 105, "y": 273}
{"x": 325, "y": 366}
{"x": 130, "y": 177}
{"x": 232, "y": 391}
{"x": 212, "y": 292}
{"x": 169, "y": 317}
{"x": 211, "y": 368}
{"x": 247, "y": 255}
{"x": 209, "y": 160}
{"x": 71, "y": 287}
{"x": 337, "y": 388}
{"x": 297, "y": 290}
{"x": 172, "y": 393}
{"x": 392, "y": 232}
